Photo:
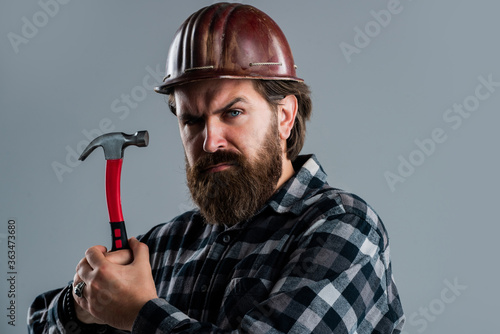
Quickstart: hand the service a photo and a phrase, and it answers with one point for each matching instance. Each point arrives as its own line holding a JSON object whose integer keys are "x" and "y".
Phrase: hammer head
{"x": 114, "y": 143}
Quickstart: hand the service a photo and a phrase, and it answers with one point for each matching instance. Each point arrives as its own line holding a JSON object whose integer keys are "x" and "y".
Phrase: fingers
{"x": 118, "y": 284}
{"x": 95, "y": 255}
{"x": 140, "y": 250}
{"x": 76, "y": 280}
{"x": 98, "y": 256}
{"x": 122, "y": 256}
{"x": 79, "y": 301}
{"x": 101, "y": 248}
{"x": 83, "y": 270}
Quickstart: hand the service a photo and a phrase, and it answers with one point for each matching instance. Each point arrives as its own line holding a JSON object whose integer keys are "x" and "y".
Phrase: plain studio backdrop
{"x": 406, "y": 97}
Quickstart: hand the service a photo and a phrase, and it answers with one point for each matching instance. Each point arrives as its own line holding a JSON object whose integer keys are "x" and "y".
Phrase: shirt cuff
{"x": 69, "y": 319}
{"x": 158, "y": 315}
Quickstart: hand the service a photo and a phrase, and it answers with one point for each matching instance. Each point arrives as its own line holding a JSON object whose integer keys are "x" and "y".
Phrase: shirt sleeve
{"x": 338, "y": 279}
{"x": 43, "y": 314}
{"x": 53, "y": 312}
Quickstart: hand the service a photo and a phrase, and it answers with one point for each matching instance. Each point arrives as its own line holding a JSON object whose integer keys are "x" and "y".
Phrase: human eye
{"x": 233, "y": 113}
{"x": 189, "y": 121}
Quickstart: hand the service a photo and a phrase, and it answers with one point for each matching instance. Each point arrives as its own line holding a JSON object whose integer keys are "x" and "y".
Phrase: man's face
{"x": 232, "y": 146}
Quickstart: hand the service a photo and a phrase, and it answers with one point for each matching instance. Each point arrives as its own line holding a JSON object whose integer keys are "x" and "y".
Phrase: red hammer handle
{"x": 118, "y": 231}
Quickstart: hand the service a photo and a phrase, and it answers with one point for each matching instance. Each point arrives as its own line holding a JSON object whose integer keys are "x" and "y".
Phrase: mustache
{"x": 215, "y": 158}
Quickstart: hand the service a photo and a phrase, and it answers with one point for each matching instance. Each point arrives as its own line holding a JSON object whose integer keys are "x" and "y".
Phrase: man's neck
{"x": 287, "y": 172}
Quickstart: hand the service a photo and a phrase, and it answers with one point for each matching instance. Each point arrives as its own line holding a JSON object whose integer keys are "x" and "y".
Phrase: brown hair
{"x": 270, "y": 89}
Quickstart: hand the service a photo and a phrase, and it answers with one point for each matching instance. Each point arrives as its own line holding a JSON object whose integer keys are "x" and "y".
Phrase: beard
{"x": 236, "y": 193}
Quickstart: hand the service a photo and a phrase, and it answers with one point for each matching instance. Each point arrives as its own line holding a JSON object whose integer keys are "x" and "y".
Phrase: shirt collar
{"x": 294, "y": 194}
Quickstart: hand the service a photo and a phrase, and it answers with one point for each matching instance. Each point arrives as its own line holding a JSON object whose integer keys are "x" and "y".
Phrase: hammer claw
{"x": 114, "y": 144}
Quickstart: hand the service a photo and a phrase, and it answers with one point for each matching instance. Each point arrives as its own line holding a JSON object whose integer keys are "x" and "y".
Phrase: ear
{"x": 287, "y": 110}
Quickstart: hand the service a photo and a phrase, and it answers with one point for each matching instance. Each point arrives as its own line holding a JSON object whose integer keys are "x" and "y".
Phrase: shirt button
{"x": 226, "y": 239}
{"x": 204, "y": 288}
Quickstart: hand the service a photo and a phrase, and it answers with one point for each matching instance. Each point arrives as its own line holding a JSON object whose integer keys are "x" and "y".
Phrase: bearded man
{"x": 272, "y": 248}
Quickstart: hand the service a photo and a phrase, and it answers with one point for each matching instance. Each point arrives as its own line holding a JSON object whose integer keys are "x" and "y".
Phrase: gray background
{"x": 72, "y": 75}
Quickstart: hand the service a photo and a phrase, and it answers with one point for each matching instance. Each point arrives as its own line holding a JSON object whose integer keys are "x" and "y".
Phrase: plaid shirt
{"x": 314, "y": 259}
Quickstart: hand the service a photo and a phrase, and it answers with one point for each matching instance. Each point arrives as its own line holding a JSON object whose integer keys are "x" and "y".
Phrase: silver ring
{"x": 78, "y": 290}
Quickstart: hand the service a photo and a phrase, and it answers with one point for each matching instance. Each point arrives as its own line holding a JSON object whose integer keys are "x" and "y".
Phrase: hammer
{"x": 113, "y": 145}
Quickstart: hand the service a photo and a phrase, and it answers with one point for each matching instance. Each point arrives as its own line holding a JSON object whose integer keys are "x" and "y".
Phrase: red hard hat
{"x": 228, "y": 41}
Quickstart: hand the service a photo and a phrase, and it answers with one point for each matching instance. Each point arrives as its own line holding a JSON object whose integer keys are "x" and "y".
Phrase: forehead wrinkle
{"x": 195, "y": 100}
{"x": 200, "y": 98}
{"x": 213, "y": 106}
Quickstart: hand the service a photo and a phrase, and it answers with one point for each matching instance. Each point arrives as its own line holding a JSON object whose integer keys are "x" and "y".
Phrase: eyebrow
{"x": 188, "y": 116}
{"x": 230, "y": 105}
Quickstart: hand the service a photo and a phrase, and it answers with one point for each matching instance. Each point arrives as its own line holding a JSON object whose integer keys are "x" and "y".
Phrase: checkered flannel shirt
{"x": 314, "y": 259}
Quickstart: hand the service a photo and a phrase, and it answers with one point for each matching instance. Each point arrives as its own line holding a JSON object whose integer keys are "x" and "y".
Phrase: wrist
{"x": 75, "y": 320}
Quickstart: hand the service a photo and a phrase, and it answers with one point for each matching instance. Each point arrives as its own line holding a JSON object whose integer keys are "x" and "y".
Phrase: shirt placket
{"x": 210, "y": 273}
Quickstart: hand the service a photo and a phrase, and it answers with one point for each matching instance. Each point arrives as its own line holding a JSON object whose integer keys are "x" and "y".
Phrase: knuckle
{"x": 143, "y": 247}
{"x": 88, "y": 252}
{"x": 78, "y": 269}
{"x": 101, "y": 272}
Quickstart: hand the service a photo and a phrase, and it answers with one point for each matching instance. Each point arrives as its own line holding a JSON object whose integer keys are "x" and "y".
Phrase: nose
{"x": 214, "y": 137}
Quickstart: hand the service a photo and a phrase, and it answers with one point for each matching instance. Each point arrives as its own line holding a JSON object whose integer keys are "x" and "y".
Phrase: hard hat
{"x": 228, "y": 41}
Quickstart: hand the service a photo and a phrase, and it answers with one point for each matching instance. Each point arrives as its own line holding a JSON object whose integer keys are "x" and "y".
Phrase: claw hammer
{"x": 113, "y": 145}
